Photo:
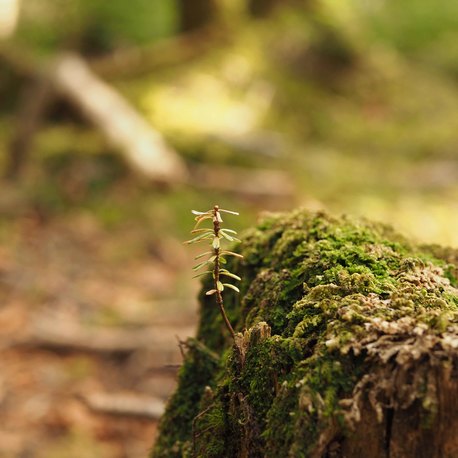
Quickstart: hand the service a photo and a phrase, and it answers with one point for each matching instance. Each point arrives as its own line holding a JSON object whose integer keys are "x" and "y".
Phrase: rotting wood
{"x": 361, "y": 362}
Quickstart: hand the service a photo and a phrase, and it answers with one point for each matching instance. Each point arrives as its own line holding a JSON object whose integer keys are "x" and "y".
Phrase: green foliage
{"x": 95, "y": 25}
{"x": 425, "y": 30}
{"x": 412, "y": 24}
{"x": 217, "y": 256}
{"x": 196, "y": 373}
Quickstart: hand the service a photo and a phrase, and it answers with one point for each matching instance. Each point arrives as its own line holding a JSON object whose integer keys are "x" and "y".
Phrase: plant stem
{"x": 219, "y": 296}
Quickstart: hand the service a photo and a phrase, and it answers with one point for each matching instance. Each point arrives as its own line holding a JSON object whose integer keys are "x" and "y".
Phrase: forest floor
{"x": 90, "y": 322}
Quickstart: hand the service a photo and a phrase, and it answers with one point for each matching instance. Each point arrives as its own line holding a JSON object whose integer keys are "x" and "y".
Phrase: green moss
{"x": 197, "y": 372}
{"x": 329, "y": 290}
{"x": 209, "y": 430}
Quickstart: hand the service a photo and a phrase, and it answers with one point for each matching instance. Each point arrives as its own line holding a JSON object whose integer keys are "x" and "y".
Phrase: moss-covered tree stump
{"x": 348, "y": 347}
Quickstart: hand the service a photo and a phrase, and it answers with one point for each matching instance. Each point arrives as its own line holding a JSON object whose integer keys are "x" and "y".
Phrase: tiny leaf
{"x": 232, "y": 287}
{"x": 210, "y": 292}
{"x": 226, "y": 236}
{"x": 198, "y": 238}
{"x": 229, "y": 211}
{"x": 199, "y": 219}
{"x": 216, "y": 243}
{"x": 198, "y": 266}
{"x": 202, "y": 273}
{"x": 220, "y": 286}
{"x": 231, "y": 253}
{"x": 203, "y": 254}
{"x": 230, "y": 274}
{"x": 195, "y": 231}
{"x": 195, "y": 212}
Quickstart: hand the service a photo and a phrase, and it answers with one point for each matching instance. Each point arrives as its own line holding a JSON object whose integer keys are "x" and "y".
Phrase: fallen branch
{"x": 122, "y": 126}
{"x": 125, "y": 404}
{"x": 103, "y": 106}
{"x": 68, "y": 336}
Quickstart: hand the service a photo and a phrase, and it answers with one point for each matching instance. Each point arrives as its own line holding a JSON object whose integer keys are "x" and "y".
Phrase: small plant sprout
{"x": 215, "y": 257}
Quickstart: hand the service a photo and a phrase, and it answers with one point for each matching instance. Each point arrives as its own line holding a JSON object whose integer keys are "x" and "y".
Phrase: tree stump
{"x": 347, "y": 347}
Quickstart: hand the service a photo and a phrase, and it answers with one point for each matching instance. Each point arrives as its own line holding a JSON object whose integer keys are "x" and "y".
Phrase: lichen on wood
{"x": 347, "y": 345}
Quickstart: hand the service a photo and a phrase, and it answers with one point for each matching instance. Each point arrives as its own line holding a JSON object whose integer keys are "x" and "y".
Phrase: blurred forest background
{"x": 118, "y": 118}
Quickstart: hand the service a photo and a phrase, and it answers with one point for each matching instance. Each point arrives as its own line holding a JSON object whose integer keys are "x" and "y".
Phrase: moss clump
{"x": 328, "y": 306}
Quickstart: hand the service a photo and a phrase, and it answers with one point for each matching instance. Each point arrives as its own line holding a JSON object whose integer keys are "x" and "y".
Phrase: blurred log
{"x": 125, "y": 404}
{"x": 9, "y": 16}
{"x": 123, "y": 127}
{"x": 64, "y": 335}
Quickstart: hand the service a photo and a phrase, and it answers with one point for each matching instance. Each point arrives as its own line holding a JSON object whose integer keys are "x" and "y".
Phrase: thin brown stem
{"x": 216, "y": 252}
